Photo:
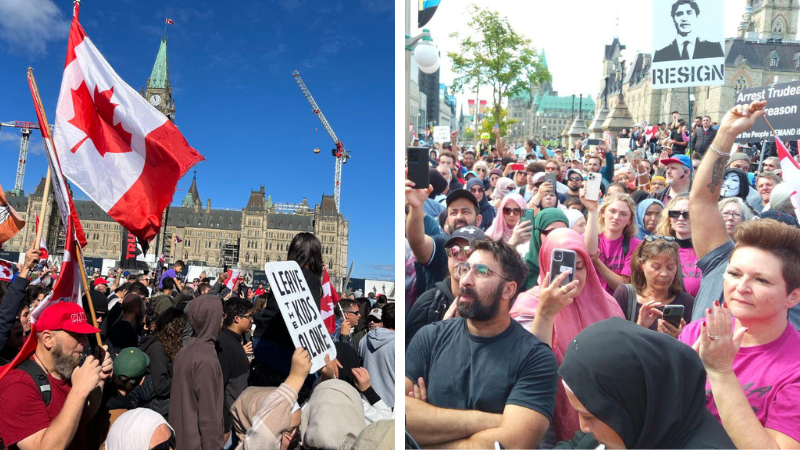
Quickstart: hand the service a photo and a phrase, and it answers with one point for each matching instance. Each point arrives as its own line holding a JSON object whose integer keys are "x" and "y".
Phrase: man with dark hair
{"x": 165, "y": 300}
{"x": 125, "y": 333}
{"x": 448, "y": 160}
{"x": 238, "y": 314}
{"x": 377, "y": 352}
{"x": 348, "y": 320}
{"x": 703, "y": 136}
{"x": 173, "y": 273}
{"x": 508, "y": 393}
{"x": 687, "y": 45}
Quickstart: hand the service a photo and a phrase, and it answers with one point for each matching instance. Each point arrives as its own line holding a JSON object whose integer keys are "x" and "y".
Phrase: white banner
{"x": 688, "y": 43}
{"x": 299, "y": 311}
{"x": 441, "y": 134}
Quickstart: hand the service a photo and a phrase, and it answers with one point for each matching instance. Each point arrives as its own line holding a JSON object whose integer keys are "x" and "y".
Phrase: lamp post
{"x": 425, "y": 53}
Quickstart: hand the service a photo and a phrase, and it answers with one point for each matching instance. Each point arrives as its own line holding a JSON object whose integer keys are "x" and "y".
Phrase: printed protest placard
{"x": 299, "y": 311}
{"x": 441, "y": 134}
{"x": 783, "y": 103}
{"x": 688, "y": 43}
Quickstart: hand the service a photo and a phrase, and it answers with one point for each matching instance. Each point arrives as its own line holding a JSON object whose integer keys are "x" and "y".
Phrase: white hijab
{"x": 134, "y": 429}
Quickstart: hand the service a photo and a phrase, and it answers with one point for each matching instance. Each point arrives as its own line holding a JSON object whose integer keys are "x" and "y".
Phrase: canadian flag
{"x": 178, "y": 239}
{"x": 122, "y": 152}
{"x": 6, "y": 270}
{"x": 68, "y": 286}
{"x": 329, "y": 298}
{"x": 43, "y": 254}
{"x": 170, "y": 21}
{"x": 791, "y": 173}
{"x": 233, "y": 278}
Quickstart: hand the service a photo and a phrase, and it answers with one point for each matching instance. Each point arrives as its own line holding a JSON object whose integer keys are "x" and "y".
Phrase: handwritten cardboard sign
{"x": 300, "y": 312}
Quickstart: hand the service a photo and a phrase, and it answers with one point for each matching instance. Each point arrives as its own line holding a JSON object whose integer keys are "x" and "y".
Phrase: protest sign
{"x": 441, "y": 134}
{"x": 299, "y": 311}
{"x": 783, "y": 103}
{"x": 688, "y": 43}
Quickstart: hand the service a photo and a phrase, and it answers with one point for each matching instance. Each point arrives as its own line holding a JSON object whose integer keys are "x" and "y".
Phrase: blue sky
{"x": 231, "y": 69}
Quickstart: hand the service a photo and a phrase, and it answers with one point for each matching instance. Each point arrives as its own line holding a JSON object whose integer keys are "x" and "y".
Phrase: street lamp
{"x": 425, "y": 53}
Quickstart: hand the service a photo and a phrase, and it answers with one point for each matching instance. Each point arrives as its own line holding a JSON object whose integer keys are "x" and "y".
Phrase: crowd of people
{"x": 181, "y": 364}
{"x": 674, "y": 326}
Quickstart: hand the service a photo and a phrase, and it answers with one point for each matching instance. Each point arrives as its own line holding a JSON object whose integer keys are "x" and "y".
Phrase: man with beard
{"x": 481, "y": 377}
{"x": 574, "y": 181}
{"x": 679, "y": 178}
{"x": 50, "y": 418}
{"x": 462, "y": 210}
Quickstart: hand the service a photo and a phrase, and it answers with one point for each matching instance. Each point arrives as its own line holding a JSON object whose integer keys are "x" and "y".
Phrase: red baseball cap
{"x": 65, "y": 316}
{"x": 99, "y": 281}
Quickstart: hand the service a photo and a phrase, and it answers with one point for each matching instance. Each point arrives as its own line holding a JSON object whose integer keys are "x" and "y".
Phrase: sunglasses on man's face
{"x": 454, "y": 251}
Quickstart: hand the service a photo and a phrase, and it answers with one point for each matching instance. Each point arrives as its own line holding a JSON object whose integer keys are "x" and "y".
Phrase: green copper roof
{"x": 192, "y": 196}
{"x": 544, "y": 59}
{"x": 159, "y": 78}
{"x": 564, "y": 103}
{"x": 524, "y": 94}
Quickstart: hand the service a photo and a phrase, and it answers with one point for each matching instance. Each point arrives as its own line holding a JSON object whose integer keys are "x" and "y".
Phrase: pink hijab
{"x": 499, "y": 228}
{"x": 593, "y": 304}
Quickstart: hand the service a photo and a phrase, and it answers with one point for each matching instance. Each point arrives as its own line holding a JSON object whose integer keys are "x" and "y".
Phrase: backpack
{"x": 39, "y": 377}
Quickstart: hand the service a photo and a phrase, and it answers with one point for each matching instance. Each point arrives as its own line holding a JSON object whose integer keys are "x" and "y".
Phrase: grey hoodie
{"x": 196, "y": 398}
{"x": 377, "y": 352}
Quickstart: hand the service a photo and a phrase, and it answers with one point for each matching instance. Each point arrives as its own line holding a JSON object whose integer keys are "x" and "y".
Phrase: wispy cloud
{"x": 26, "y": 26}
{"x": 377, "y": 272}
{"x": 377, "y": 6}
{"x": 6, "y": 136}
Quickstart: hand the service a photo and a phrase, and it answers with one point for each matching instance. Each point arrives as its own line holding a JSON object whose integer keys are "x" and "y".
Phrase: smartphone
{"x": 518, "y": 167}
{"x": 593, "y": 141}
{"x": 418, "y": 170}
{"x": 593, "y": 182}
{"x": 528, "y": 215}
{"x": 563, "y": 260}
{"x": 551, "y": 177}
{"x": 673, "y": 314}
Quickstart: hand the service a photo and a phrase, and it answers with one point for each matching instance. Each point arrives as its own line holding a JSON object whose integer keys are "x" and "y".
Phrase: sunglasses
{"x": 653, "y": 238}
{"x": 479, "y": 270}
{"x": 355, "y": 313}
{"x": 476, "y": 190}
{"x": 512, "y": 211}
{"x": 575, "y": 179}
{"x": 455, "y": 250}
{"x": 677, "y": 214}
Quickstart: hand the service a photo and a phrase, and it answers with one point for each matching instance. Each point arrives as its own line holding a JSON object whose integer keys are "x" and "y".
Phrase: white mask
{"x": 730, "y": 185}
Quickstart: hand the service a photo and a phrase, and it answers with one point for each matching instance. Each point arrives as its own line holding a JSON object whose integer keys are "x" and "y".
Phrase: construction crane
{"x": 23, "y": 149}
{"x": 339, "y": 152}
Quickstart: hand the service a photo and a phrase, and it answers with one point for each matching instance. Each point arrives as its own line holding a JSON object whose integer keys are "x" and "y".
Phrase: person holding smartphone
{"x": 556, "y": 312}
{"x": 655, "y": 282}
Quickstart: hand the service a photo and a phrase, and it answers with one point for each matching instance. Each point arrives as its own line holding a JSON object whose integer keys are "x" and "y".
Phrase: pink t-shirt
{"x": 691, "y": 273}
{"x": 611, "y": 255}
{"x": 770, "y": 378}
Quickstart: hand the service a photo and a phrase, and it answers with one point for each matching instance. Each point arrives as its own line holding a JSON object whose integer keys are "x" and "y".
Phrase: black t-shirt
{"x": 677, "y": 149}
{"x": 469, "y": 372}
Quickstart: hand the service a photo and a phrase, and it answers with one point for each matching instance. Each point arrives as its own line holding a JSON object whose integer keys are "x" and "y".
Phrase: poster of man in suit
{"x": 688, "y": 42}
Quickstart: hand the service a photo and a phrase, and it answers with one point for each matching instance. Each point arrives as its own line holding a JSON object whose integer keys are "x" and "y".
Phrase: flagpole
{"x": 85, "y": 281}
{"x": 45, "y": 128}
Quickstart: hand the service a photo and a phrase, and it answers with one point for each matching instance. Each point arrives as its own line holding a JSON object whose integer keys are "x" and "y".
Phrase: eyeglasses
{"x": 677, "y": 214}
{"x": 246, "y": 316}
{"x": 653, "y": 238}
{"x": 479, "y": 270}
{"x": 480, "y": 170}
{"x": 455, "y": 250}
{"x": 355, "y": 313}
{"x": 512, "y": 211}
{"x": 731, "y": 214}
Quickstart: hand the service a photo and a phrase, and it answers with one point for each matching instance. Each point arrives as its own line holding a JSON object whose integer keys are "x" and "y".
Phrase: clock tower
{"x": 158, "y": 91}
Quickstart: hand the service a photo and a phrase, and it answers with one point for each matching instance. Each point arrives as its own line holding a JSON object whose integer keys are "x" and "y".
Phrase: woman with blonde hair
{"x": 611, "y": 238}
{"x": 655, "y": 281}
{"x": 675, "y": 222}
{"x": 734, "y": 211}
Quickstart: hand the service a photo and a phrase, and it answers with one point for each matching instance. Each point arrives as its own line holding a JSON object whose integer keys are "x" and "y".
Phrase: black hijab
{"x": 647, "y": 386}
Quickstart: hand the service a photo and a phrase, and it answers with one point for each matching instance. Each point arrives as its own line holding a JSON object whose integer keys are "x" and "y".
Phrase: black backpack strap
{"x": 626, "y": 245}
{"x": 438, "y": 307}
{"x": 631, "y": 313}
{"x": 39, "y": 377}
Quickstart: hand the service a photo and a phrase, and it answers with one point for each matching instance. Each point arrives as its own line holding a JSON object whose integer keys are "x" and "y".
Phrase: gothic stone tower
{"x": 770, "y": 19}
{"x": 158, "y": 90}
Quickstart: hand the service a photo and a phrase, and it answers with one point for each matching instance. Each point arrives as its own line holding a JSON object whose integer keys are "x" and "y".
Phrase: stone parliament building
{"x": 258, "y": 233}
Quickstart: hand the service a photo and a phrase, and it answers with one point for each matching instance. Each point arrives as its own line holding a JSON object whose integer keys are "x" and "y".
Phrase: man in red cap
{"x": 101, "y": 284}
{"x": 56, "y": 346}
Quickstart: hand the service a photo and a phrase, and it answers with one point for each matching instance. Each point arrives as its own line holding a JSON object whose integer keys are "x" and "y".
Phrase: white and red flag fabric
{"x": 233, "y": 278}
{"x": 178, "y": 239}
{"x": 121, "y": 151}
{"x": 6, "y": 270}
{"x": 791, "y": 173}
{"x": 329, "y": 299}
{"x": 43, "y": 254}
{"x": 68, "y": 287}
{"x": 170, "y": 21}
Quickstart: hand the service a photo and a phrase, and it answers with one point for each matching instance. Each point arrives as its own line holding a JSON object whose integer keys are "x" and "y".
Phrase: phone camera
{"x": 558, "y": 256}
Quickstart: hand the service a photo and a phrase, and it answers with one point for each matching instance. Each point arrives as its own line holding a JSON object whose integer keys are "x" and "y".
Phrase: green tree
{"x": 489, "y": 121}
{"x": 493, "y": 54}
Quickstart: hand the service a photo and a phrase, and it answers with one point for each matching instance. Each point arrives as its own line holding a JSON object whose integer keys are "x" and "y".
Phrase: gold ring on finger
{"x": 564, "y": 289}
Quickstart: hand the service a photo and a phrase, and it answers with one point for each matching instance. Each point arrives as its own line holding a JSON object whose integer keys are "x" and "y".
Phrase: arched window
{"x": 247, "y": 258}
{"x": 777, "y": 29}
{"x": 255, "y": 258}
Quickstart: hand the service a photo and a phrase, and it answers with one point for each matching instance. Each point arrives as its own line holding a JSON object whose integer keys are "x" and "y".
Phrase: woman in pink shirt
{"x": 609, "y": 230}
{"x": 753, "y": 362}
{"x": 675, "y": 222}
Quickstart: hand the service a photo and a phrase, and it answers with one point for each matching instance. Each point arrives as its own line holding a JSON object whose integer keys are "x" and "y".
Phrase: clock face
{"x": 155, "y": 99}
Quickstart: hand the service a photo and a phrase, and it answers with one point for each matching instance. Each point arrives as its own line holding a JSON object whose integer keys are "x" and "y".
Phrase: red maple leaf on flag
{"x": 95, "y": 117}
